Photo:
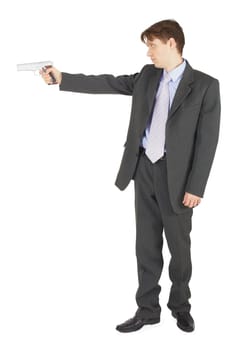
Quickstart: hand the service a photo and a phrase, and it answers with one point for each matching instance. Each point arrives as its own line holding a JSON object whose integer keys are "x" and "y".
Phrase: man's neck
{"x": 174, "y": 64}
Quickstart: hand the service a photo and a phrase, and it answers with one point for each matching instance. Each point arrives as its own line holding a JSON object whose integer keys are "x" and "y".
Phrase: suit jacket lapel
{"x": 153, "y": 87}
{"x": 183, "y": 89}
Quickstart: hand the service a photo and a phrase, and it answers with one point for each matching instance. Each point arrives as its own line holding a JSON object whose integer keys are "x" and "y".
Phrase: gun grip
{"x": 52, "y": 76}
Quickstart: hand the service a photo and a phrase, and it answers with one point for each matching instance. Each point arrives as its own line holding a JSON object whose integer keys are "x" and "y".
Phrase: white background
{"x": 67, "y": 256}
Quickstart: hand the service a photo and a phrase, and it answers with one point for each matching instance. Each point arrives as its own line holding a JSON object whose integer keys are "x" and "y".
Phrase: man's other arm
{"x": 206, "y": 140}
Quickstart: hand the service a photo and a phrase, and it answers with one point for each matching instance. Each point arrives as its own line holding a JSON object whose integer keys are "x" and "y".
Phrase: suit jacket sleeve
{"x": 98, "y": 84}
{"x": 206, "y": 140}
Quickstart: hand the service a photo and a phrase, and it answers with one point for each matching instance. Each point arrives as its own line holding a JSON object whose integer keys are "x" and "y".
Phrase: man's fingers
{"x": 190, "y": 200}
{"x": 48, "y": 70}
{"x": 46, "y": 76}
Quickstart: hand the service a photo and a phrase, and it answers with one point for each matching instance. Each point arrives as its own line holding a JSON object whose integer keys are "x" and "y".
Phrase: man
{"x": 170, "y": 147}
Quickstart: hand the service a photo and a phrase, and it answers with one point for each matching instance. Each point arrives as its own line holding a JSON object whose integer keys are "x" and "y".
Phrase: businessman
{"x": 169, "y": 150}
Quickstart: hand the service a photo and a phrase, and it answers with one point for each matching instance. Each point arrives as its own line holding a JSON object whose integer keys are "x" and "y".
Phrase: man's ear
{"x": 172, "y": 43}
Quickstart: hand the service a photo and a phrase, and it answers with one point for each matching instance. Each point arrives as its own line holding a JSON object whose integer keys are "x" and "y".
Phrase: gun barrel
{"x": 33, "y": 65}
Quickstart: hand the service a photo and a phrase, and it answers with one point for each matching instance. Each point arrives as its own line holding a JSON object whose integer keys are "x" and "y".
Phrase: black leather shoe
{"x": 184, "y": 321}
{"x": 135, "y": 323}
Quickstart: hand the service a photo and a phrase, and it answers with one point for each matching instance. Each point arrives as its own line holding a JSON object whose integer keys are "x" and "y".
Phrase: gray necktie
{"x": 156, "y": 137}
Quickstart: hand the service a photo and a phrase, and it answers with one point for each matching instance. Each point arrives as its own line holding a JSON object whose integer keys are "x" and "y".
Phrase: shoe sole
{"x": 189, "y": 330}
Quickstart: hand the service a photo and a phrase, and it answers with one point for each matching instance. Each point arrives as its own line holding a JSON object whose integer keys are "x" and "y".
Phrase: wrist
{"x": 59, "y": 78}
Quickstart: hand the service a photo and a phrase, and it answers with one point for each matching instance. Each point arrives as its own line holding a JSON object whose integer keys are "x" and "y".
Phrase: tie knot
{"x": 166, "y": 77}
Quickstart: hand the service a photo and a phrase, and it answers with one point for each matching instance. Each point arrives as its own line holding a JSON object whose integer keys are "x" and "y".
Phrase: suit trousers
{"x": 154, "y": 214}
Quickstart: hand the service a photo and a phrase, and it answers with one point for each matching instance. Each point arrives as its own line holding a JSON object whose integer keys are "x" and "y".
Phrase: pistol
{"x": 34, "y": 66}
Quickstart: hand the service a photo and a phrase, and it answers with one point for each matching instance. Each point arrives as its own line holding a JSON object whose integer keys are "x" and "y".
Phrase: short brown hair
{"x": 165, "y": 30}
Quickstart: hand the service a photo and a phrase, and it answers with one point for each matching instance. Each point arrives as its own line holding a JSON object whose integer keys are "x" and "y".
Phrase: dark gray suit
{"x": 192, "y": 131}
{"x": 192, "y": 127}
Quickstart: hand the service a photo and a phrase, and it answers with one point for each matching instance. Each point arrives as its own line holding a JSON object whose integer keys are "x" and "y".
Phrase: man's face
{"x": 159, "y": 52}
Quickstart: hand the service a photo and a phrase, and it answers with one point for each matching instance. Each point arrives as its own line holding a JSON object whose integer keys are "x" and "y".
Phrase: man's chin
{"x": 156, "y": 64}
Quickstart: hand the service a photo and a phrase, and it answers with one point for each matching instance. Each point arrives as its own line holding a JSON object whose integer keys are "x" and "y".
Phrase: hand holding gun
{"x": 50, "y": 74}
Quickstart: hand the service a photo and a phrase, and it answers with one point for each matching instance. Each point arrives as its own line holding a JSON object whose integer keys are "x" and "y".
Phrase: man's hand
{"x": 190, "y": 200}
{"x": 56, "y": 73}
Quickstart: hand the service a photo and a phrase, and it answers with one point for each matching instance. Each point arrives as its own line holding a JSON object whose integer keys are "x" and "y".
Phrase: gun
{"x": 34, "y": 66}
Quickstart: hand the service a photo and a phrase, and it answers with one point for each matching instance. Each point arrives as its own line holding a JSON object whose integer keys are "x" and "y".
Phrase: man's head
{"x": 165, "y": 41}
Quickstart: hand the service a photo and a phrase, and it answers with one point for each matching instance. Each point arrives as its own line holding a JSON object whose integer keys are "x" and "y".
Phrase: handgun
{"x": 34, "y": 66}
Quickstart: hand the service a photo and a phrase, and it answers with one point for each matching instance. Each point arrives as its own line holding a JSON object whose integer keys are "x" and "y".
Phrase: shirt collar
{"x": 177, "y": 72}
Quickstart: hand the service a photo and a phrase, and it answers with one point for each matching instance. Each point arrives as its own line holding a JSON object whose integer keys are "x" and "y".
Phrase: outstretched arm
{"x": 93, "y": 84}
{"x": 98, "y": 84}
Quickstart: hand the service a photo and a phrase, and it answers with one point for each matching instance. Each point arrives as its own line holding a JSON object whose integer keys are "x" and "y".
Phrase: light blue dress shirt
{"x": 176, "y": 74}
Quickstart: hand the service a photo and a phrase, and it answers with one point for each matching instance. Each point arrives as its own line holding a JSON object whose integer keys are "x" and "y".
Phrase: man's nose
{"x": 149, "y": 53}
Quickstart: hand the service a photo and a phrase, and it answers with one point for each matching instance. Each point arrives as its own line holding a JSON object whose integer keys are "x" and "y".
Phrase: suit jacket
{"x": 192, "y": 127}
